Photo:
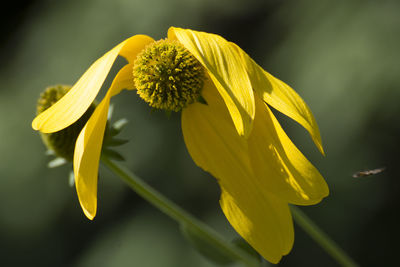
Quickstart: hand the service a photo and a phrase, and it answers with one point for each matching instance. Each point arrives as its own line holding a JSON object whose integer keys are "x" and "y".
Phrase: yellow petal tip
{"x": 37, "y": 123}
{"x": 320, "y": 147}
{"x": 89, "y": 214}
{"x": 35, "y": 126}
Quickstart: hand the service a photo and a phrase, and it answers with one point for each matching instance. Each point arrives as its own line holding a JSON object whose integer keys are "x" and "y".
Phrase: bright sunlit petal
{"x": 71, "y": 107}
{"x": 281, "y": 97}
{"x": 87, "y": 156}
{"x": 282, "y": 169}
{"x": 133, "y": 48}
{"x": 227, "y": 71}
{"x": 89, "y": 143}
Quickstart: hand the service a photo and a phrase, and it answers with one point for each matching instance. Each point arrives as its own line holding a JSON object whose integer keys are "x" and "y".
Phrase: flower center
{"x": 168, "y": 76}
{"x": 62, "y": 143}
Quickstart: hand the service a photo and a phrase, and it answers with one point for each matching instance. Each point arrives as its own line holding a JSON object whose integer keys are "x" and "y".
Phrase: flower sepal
{"x": 57, "y": 162}
{"x": 111, "y": 139}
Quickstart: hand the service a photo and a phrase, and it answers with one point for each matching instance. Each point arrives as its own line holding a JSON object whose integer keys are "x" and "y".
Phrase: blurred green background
{"x": 341, "y": 56}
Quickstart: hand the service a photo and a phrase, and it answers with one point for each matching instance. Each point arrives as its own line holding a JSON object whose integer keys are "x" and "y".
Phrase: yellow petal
{"x": 88, "y": 147}
{"x": 132, "y": 49}
{"x": 281, "y": 97}
{"x": 71, "y": 107}
{"x": 123, "y": 80}
{"x": 226, "y": 69}
{"x": 213, "y": 143}
{"x": 87, "y": 156}
{"x": 211, "y": 137}
{"x": 282, "y": 169}
{"x": 264, "y": 221}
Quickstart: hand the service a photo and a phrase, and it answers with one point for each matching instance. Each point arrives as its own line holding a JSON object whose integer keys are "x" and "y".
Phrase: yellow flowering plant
{"x": 227, "y": 123}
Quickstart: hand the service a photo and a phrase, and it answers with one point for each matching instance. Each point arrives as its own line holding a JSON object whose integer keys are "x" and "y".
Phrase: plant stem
{"x": 177, "y": 213}
{"x": 321, "y": 238}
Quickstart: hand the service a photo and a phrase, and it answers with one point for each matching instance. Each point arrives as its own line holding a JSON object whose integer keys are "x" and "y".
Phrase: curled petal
{"x": 123, "y": 80}
{"x": 212, "y": 141}
{"x": 281, "y": 168}
{"x": 281, "y": 97}
{"x": 71, "y": 107}
{"x": 88, "y": 147}
{"x": 131, "y": 49}
{"x": 227, "y": 71}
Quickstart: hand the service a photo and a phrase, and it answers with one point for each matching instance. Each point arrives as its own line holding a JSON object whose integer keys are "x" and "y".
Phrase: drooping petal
{"x": 281, "y": 168}
{"x": 214, "y": 145}
{"x": 226, "y": 69}
{"x": 71, "y": 107}
{"x": 87, "y": 156}
{"x": 123, "y": 80}
{"x": 264, "y": 221}
{"x": 210, "y": 127}
{"x": 281, "y": 97}
{"x": 88, "y": 147}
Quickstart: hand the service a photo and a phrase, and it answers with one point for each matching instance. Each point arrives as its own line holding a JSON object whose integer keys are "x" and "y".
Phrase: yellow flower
{"x": 234, "y": 135}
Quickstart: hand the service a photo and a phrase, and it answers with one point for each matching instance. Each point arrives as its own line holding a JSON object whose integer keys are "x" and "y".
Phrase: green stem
{"x": 177, "y": 213}
{"x": 321, "y": 238}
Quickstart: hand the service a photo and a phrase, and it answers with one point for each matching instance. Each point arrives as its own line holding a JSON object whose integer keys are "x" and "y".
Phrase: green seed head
{"x": 168, "y": 76}
{"x": 62, "y": 143}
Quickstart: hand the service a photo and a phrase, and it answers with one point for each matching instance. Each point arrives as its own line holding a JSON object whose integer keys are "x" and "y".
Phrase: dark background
{"x": 341, "y": 56}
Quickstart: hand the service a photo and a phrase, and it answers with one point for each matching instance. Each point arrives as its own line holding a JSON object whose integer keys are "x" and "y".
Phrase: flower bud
{"x": 61, "y": 143}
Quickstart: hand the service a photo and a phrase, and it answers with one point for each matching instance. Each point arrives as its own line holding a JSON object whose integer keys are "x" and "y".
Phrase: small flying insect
{"x": 368, "y": 172}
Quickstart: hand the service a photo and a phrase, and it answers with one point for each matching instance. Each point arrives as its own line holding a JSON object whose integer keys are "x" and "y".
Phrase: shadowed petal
{"x": 71, "y": 107}
{"x": 88, "y": 147}
{"x": 264, "y": 221}
{"x": 281, "y": 97}
{"x": 226, "y": 69}
{"x": 281, "y": 168}
{"x": 213, "y": 143}
{"x": 210, "y": 127}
